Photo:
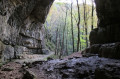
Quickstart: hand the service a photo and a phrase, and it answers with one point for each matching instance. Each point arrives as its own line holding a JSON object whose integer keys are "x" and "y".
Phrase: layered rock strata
{"x": 107, "y": 35}
{"x": 21, "y": 26}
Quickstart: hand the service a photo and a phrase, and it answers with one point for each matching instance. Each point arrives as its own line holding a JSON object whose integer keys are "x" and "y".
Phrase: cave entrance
{"x": 61, "y": 26}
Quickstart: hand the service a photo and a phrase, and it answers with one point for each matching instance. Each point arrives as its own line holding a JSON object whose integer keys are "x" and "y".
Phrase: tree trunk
{"x": 66, "y": 41}
{"x": 92, "y": 16}
{"x": 72, "y": 27}
{"x": 56, "y": 49}
{"x": 85, "y": 22}
{"x": 78, "y": 25}
{"x": 64, "y": 33}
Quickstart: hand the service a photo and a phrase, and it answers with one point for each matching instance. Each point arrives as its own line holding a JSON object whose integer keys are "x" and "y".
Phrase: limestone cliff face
{"x": 21, "y": 26}
{"x": 105, "y": 39}
{"x": 108, "y": 12}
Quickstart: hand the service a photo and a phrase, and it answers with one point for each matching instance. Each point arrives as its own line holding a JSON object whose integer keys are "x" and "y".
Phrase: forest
{"x": 68, "y": 26}
{"x": 59, "y": 39}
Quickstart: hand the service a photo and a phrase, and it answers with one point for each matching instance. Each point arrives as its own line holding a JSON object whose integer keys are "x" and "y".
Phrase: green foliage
{"x": 56, "y": 20}
{"x": 60, "y": 4}
{"x": 50, "y": 45}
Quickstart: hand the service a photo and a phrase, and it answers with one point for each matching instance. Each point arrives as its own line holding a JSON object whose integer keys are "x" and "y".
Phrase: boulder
{"x": 7, "y": 53}
{"x": 110, "y": 50}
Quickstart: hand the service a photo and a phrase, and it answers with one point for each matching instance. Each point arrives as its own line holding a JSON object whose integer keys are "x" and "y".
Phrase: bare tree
{"x": 56, "y": 49}
{"x": 62, "y": 50}
{"x": 66, "y": 40}
{"x": 78, "y": 25}
{"x": 92, "y": 17}
{"x": 85, "y": 22}
{"x": 72, "y": 26}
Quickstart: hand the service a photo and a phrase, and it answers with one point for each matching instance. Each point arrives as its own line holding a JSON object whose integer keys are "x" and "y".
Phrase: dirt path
{"x": 33, "y": 57}
{"x": 7, "y": 71}
{"x": 11, "y": 71}
{"x": 74, "y": 55}
{"x": 14, "y": 70}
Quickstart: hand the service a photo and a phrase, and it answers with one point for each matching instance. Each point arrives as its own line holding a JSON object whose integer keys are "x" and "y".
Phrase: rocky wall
{"x": 108, "y": 12}
{"x": 21, "y": 26}
{"x": 105, "y": 39}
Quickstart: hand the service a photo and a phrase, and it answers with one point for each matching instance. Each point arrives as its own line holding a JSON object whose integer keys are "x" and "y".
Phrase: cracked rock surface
{"x": 21, "y": 26}
{"x": 81, "y": 68}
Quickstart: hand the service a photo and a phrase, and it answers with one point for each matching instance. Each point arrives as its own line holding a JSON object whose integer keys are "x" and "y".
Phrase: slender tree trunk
{"x": 60, "y": 43}
{"x": 92, "y": 17}
{"x": 56, "y": 49}
{"x": 82, "y": 43}
{"x": 66, "y": 47}
{"x": 60, "y": 46}
{"x": 72, "y": 27}
{"x": 64, "y": 34}
{"x": 66, "y": 41}
{"x": 85, "y": 23}
{"x": 78, "y": 24}
{"x": 86, "y": 37}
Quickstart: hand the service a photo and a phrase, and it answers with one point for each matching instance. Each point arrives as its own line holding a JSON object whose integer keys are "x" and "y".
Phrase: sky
{"x": 74, "y": 1}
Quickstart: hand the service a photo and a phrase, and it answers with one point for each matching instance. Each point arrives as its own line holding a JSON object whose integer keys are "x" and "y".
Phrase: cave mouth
{"x": 22, "y": 30}
{"x": 60, "y": 26}
{"x": 22, "y": 27}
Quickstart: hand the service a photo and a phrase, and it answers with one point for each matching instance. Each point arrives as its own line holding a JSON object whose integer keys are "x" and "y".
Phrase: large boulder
{"x": 7, "y": 53}
{"x": 111, "y": 50}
